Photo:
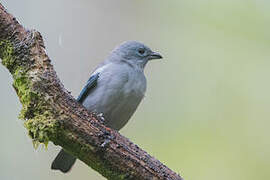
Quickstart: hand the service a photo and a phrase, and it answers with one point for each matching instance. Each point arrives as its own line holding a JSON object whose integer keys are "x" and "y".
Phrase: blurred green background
{"x": 207, "y": 107}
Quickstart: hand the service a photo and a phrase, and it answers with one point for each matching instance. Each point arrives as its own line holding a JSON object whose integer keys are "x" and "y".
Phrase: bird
{"x": 114, "y": 89}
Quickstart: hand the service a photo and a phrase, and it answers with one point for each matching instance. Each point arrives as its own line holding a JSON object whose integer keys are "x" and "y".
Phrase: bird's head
{"x": 134, "y": 53}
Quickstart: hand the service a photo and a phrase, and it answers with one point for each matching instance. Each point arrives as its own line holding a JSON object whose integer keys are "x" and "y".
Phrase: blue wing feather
{"x": 91, "y": 83}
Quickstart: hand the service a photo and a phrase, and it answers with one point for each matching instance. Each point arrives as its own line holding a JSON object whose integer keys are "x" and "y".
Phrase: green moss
{"x": 35, "y": 110}
{"x": 39, "y": 119}
{"x": 22, "y": 86}
{"x": 42, "y": 128}
{"x": 6, "y": 54}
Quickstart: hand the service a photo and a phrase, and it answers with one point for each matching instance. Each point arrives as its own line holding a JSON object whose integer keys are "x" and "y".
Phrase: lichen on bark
{"x": 38, "y": 116}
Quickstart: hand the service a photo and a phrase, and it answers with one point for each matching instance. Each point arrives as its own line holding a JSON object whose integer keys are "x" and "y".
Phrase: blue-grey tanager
{"x": 115, "y": 89}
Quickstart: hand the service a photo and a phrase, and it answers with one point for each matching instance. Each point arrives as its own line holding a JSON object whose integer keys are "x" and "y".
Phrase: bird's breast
{"x": 136, "y": 84}
{"x": 118, "y": 94}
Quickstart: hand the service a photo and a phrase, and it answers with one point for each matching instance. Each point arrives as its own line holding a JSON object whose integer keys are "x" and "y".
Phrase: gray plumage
{"x": 115, "y": 89}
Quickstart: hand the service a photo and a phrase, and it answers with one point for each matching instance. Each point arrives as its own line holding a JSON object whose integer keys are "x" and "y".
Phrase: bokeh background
{"x": 207, "y": 108}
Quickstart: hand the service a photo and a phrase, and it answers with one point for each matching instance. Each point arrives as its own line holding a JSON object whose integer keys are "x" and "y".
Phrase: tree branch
{"x": 52, "y": 114}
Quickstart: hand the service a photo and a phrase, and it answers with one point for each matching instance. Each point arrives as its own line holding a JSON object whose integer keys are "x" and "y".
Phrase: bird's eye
{"x": 141, "y": 51}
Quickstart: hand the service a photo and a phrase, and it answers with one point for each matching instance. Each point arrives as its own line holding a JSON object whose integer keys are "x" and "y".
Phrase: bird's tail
{"x": 63, "y": 161}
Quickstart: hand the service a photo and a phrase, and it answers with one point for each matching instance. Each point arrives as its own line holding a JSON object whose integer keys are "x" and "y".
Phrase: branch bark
{"x": 52, "y": 114}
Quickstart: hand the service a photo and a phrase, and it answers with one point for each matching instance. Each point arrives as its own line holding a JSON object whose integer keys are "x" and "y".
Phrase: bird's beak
{"x": 154, "y": 55}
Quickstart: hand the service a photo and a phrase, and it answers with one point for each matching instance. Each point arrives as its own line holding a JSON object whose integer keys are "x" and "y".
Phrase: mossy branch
{"x": 52, "y": 114}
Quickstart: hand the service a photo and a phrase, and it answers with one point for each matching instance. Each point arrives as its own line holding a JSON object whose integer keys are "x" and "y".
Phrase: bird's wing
{"x": 91, "y": 84}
